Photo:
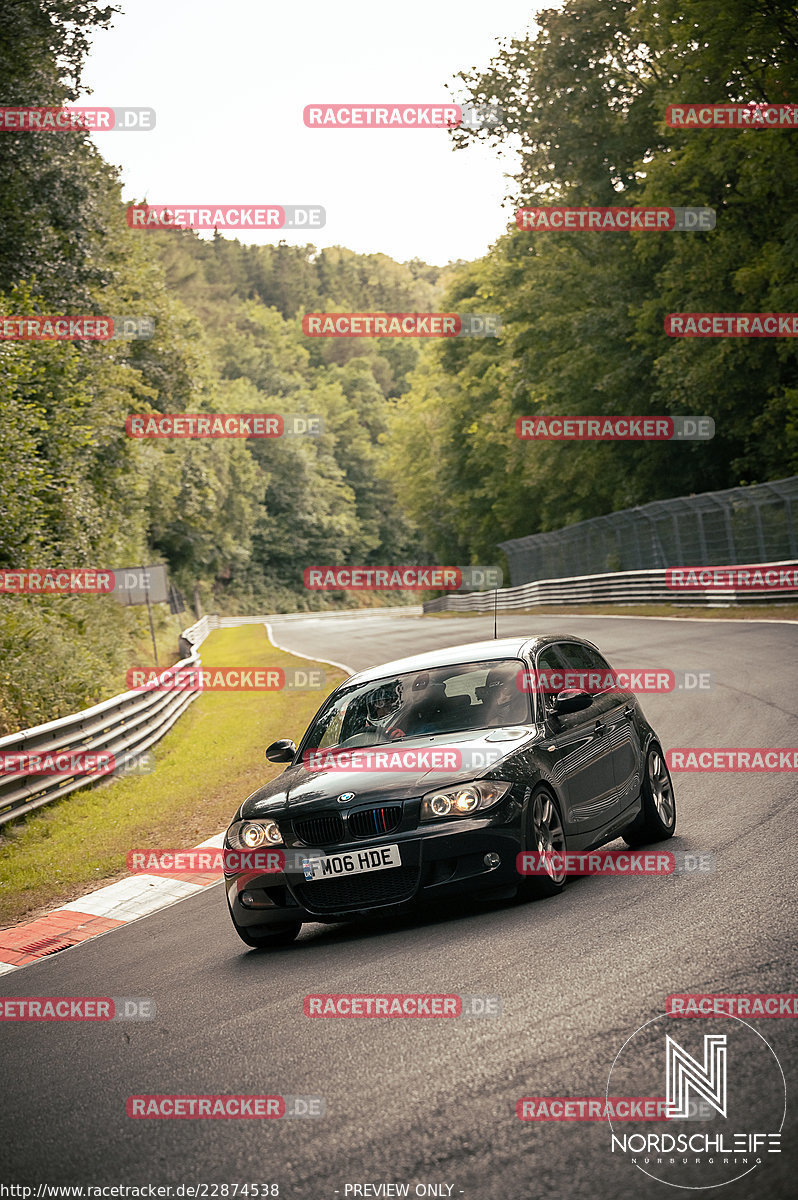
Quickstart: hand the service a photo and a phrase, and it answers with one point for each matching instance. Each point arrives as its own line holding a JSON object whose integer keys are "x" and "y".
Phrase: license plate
{"x": 354, "y": 862}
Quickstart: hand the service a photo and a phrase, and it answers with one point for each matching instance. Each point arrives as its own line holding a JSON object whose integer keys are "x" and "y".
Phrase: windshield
{"x": 480, "y": 695}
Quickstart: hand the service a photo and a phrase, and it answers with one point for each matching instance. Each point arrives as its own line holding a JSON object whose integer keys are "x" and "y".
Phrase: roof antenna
{"x": 495, "y": 606}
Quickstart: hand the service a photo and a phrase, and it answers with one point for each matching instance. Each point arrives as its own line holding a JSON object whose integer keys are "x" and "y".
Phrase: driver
{"x": 382, "y": 704}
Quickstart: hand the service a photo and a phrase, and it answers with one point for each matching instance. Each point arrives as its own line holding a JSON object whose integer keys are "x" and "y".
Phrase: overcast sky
{"x": 229, "y": 83}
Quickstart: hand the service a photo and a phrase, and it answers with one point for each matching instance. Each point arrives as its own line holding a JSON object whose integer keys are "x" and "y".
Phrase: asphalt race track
{"x": 422, "y": 1100}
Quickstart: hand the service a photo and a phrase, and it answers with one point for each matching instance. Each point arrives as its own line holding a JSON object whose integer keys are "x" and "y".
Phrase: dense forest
{"x": 583, "y": 313}
{"x": 418, "y": 460}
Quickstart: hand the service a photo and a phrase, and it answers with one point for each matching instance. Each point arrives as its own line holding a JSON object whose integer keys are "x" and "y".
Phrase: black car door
{"x": 617, "y": 713}
{"x": 577, "y": 750}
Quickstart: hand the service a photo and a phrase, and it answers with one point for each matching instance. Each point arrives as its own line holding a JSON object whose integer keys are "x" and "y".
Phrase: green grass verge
{"x": 762, "y": 612}
{"x": 205, "y": 766}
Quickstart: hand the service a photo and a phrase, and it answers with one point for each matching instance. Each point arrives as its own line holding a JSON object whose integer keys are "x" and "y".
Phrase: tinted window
{"x": 550, "y": 660}
{"x": 594, "y": 674}
{"x": 478, "y": 695}
{"x": 551, "y": 669}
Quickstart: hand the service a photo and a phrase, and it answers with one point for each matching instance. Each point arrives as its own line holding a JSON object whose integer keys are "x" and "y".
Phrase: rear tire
{"x": 545, "y": 832}
{"x": 657, "y": 818}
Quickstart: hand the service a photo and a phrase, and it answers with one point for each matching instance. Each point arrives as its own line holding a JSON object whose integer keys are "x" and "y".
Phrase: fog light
{"x": 247, "y": 898}
{"x": 491, "y": 860}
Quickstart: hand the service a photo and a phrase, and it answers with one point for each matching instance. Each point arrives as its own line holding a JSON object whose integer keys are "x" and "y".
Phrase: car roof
{"x": 487, "y": 651}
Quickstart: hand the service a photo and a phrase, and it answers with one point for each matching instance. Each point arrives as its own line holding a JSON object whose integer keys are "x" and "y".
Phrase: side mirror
{"x": 281, "y": 752}
{"x": 572, "y": 700}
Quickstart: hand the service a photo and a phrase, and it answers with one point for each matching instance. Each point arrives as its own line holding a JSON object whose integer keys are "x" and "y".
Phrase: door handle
{"x": 599, "y": 728}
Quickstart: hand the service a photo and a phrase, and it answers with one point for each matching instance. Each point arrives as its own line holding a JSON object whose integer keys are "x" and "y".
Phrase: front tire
{"x": 657, "y": 818}
{"x": 546, "y": 833}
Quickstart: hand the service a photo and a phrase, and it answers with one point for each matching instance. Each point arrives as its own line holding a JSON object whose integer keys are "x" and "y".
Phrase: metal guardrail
{"x": 124, "y": 726}
{"x": 195, "y": 635}
{"x": 130, "y": 723}
{"x": 755, "y": 523}
{"x": 618, "y": 587}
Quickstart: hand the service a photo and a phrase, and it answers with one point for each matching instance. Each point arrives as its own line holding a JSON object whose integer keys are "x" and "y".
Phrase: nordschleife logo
{"x": 725, "y": 1101}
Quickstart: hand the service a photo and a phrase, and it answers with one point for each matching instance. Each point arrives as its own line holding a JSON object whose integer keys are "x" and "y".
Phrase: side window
{"x": 550, "y": 668}
{"x": 595, "y": 675}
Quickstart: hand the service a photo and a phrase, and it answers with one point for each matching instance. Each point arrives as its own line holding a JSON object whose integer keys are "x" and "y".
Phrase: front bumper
{"x": 441, "y": 860}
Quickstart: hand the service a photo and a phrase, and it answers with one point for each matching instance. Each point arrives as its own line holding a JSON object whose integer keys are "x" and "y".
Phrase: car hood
{"x": 481, "y": 753}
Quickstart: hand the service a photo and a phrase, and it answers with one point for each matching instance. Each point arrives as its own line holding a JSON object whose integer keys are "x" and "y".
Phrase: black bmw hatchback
{"x": 426, "y": 777}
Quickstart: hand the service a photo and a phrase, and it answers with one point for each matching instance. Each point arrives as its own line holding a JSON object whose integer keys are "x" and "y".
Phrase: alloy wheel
{"x": 661, "y": 788}
{"x": 549, "y": 833}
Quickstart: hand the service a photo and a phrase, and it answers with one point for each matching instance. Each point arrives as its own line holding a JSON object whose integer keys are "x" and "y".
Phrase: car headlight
{"x": 463, "y": 800}
{"x": 248, "y": 835}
